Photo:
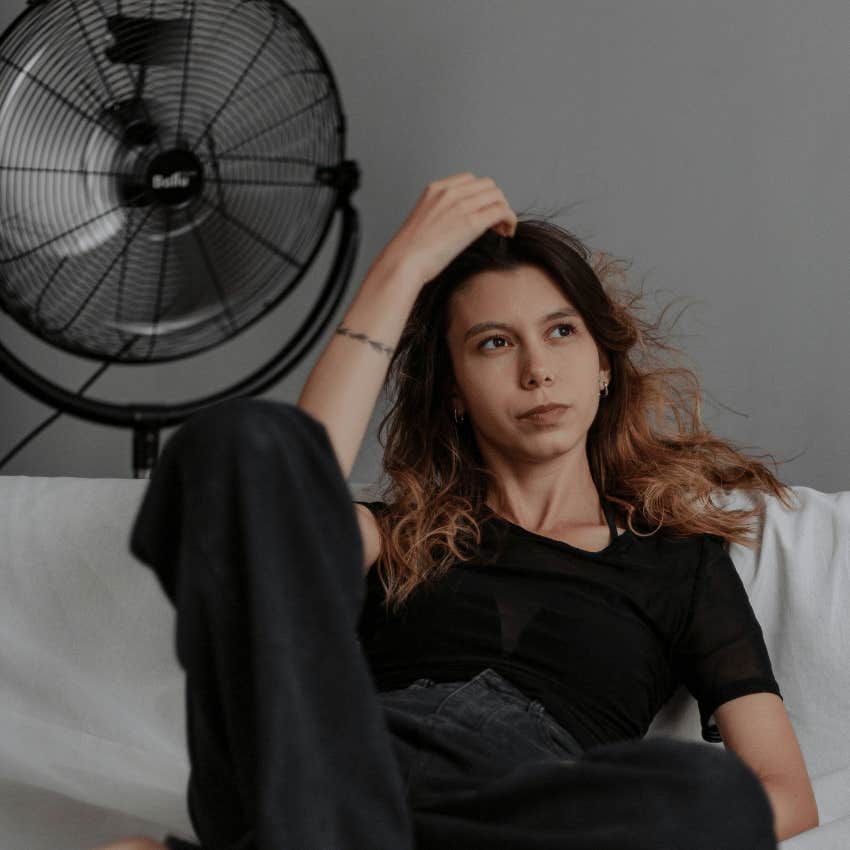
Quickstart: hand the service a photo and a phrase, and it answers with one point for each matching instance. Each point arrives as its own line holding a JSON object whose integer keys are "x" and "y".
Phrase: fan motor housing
{"x": 174, "y": 177}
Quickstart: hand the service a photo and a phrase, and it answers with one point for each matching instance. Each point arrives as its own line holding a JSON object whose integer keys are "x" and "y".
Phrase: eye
{"x": 556, "y": 327}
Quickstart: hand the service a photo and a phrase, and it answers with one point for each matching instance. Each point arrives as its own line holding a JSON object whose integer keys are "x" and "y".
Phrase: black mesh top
{"x": 602, "y": 639}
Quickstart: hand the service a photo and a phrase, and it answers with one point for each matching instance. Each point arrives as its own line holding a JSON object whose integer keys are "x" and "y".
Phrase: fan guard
{"x": 168, "y": 172}
{"x": 163, "y": 181}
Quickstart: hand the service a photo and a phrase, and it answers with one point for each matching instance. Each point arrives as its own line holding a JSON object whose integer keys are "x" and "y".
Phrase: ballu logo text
{"x": 177, "y": 180}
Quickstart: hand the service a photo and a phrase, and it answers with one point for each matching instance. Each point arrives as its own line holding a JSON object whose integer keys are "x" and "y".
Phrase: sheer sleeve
{"x": 720, "y": 654}
{"x": 374, "y": 507}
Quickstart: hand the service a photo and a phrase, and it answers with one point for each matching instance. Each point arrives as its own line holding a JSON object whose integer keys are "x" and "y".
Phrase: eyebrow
{"x": 501, "y": 326}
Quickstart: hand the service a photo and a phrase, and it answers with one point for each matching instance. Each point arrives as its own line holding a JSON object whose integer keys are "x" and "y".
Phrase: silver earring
{"x": 604, "y": 393}
{"x": 460, "y": 419}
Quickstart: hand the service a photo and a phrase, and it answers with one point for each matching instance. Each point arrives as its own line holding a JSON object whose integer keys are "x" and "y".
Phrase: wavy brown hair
{"x": 649, "y": 453}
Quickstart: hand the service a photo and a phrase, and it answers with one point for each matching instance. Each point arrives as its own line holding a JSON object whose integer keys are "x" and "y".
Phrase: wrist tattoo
{"x": 378, "y": 346}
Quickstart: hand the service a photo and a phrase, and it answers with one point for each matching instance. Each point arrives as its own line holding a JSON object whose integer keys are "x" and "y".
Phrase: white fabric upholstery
{"x": 92, "y": 735}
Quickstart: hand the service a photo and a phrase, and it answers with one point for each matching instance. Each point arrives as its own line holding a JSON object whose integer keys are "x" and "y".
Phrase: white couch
{"x": 92, "y": 735}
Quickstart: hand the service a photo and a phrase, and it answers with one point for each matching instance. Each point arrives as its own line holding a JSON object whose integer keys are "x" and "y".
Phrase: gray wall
{"x": 708, "y": 142}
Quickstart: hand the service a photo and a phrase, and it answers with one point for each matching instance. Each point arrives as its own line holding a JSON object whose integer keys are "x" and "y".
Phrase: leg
{"x": 651, "y": 794}
{"x": 484, "y": 776}
{"x": 249, "y": 527}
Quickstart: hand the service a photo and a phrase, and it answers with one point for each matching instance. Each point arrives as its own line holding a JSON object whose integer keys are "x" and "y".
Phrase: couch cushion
{"x": 91, "y": 705}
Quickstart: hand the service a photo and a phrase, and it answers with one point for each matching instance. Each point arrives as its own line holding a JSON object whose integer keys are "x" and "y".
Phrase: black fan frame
{"x": 147, "y": 418}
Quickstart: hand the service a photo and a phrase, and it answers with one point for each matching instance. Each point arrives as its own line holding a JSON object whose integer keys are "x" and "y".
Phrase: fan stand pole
{"x": 145, "y": 450}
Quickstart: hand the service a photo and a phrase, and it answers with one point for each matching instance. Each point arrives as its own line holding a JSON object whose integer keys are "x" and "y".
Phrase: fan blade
{"x": 186, "y": 286}
{"x": 147, "y": 40}
{"x": 57, "y": 178}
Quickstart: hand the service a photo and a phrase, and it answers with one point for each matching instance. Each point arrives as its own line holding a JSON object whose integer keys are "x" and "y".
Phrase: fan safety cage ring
{"x": 165, "y": 179}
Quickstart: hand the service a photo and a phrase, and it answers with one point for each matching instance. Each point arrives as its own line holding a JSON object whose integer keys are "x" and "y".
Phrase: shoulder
{"x": 674, "y": 567}
{"x": 369, "y": 532}
{"x": 374, "y": 507}
{"x": 678, "y": 552}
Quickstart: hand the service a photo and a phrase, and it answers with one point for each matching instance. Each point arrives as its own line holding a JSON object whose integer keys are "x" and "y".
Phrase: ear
{"x": 457, "y": 403}
{"x": 604, "y": 365}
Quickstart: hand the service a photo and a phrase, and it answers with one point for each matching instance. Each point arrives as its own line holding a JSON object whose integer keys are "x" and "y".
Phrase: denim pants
{"x": 249, "y": 526}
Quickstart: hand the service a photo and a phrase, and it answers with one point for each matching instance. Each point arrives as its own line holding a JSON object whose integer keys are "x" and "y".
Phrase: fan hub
{"x": 175, "y": 177}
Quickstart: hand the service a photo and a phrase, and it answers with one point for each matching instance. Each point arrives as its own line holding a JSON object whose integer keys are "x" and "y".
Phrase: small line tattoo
{"x": 378, "y": 346}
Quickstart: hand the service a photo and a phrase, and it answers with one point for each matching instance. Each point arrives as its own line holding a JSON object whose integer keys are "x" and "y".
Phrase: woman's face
{"x": 540, "y": 359}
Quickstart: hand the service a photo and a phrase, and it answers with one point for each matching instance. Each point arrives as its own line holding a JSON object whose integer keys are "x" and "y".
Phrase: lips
{"x": 543, "y": 408}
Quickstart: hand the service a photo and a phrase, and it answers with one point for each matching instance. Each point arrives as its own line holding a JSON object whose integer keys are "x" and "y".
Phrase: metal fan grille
{"x": 163, "y": 170}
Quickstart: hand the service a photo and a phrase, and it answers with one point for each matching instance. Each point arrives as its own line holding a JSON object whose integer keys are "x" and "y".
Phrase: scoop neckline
{"x": 614, "y": 536}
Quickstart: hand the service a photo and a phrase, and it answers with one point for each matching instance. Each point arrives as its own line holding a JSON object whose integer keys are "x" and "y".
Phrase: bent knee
{"x": 238, "y": 425}
{"x": 713, "y": 784}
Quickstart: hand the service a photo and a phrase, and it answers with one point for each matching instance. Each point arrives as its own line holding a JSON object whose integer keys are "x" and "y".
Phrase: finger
{"x": 491, "y": 200}
{"x": 454, "y": 179}
{"x": 492, "y": 216}
{"x": 507, "y": 226}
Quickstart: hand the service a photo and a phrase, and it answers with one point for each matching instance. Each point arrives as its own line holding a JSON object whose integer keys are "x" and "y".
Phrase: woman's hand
{"x": 449, "y": 215}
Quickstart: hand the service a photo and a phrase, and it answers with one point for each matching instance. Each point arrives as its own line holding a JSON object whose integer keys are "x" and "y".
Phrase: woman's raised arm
{"x": 344, "y": 385}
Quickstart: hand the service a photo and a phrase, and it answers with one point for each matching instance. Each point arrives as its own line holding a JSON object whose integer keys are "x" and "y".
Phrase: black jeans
{"x": 249, "y": 526}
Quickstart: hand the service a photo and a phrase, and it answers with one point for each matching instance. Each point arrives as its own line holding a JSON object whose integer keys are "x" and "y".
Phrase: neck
{"x": 579, "y": 509}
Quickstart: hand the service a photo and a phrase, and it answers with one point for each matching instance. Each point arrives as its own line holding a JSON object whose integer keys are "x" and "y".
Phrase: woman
{"x": 536, "y": 586}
